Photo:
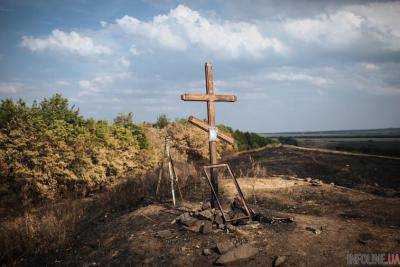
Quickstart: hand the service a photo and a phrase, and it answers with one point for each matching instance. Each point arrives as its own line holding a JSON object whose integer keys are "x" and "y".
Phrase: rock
{"x": 148, "y": 260}
{"x": 237, "y": 205}
{"x": 224, "y": 245}
{"x": 390, "y": 193}
{"x": 231, "y": 228}
{"x": 316, "y": 182}
{"x": 186, "y": 219}
{"x": 253, "y": 225}
{"x": 364, "y": 238}
{"x": 240, "y": 253}
{"x": 195, "y": 227}
{"x": 308, "y": 179}
{"x": 206, "y": 228}
{"x": 164, "y": 233}
{"x": 278, "y": 261}
{"x": 206, "y": 205}
{"x": 218, "y": 219}
{"x": 316, "y": 231}
{"x": 206, "y": 214}
{"x": 207, "y": 252}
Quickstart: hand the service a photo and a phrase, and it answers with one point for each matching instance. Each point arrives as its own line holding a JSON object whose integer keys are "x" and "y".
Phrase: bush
{"x": 48, "y": 151}
{"x": 246, "y": 140}
{"x": 288, "y": 140}
{"x": 162, "y": 121}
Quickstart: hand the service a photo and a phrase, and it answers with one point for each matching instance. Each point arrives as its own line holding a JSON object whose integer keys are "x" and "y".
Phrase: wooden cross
{"x": 210, "y": 97}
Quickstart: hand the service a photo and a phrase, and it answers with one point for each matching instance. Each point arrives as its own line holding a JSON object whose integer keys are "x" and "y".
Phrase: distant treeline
{"x": 247, "y": 140}
{"x": 335, "y": 136}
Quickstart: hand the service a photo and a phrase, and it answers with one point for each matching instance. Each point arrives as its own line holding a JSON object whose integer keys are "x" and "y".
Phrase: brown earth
{"x": 363, "y": 202}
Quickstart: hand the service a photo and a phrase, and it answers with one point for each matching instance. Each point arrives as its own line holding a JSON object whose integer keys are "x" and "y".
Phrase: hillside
{"x": 337, "y": 206}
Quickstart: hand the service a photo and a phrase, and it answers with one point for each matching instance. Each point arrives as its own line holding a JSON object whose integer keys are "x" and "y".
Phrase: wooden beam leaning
{"x": 203, "y": 97}
{"x": 204, "y": 126}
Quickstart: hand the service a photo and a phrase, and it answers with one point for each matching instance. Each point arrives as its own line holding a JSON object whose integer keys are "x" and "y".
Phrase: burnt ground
{"x": 359, "y": 213}
{"x": 374, "y": 174}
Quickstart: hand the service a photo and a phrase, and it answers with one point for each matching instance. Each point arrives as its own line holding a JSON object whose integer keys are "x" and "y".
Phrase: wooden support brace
{"x": 238, "y": 189}
{"x": 204, "y": 126}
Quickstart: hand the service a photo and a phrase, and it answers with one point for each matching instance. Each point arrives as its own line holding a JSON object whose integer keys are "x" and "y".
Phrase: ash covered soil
{"x": 339, "y": 204}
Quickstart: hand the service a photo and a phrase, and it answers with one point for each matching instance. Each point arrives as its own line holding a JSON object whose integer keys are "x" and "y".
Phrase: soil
{"x": 358, "y": 213}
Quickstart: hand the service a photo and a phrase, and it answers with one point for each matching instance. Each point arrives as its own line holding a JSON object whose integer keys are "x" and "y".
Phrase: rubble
{"x": 316, "y": 182}
{"x": 224, "y": 246}
{"x": 278, "y": 261}
{"x": 211, "y": 220}
{"x": 186, "y": 219}
{"x": 207, "y": 252}
{"x": 206, "y": 227}
{"x": 315, "y": 230}
{"x": 164, "y": 233}
{"x": 206, "y": 214}
{"x": 365, "y": 238}
{"x": 196, "y": 226}
{"x": 239, "y": 253}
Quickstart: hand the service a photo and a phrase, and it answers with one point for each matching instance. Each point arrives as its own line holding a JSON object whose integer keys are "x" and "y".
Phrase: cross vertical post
{"x": 211, "y": 121}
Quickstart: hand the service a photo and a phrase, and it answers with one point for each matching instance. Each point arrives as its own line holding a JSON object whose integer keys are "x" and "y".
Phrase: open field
{"x": 377, "y": 141}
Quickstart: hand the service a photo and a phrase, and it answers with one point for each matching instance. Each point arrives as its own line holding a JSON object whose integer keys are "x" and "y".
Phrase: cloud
{"x": 62, "y": 83}
{"x": 296, "y": 77}
{"x": 125, "y": 63}
{"x": 134, "y": 51}
{"x": 100, "y": 82}
{"x": 11, "y": 88}
{"x": 369, "y": 66}
{"x": 372, "y": 25}
{"x": 183, "y": 28}
{"x": 335, "y": 29}
{"x": 60, "y": 41}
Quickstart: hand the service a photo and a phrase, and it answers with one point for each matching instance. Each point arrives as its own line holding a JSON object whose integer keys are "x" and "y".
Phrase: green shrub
{"x": 246, "y": 140}
{"x": 288, "y": 140}
{"x": 48, "y": 150}
{"x": 162, "y": 121}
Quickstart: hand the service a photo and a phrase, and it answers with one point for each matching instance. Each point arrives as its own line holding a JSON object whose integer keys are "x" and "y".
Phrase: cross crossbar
{"x": 204, "y": 126}
{"x": 207, "y": 97}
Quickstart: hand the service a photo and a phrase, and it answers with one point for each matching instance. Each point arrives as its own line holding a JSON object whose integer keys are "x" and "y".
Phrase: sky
{"x": 293, "y": 65}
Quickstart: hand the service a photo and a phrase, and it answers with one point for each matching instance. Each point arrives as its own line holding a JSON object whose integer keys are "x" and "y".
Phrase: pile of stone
{"x": 314, "y": 182}
{"x": 207, "y": 219}
{"x": 203, "y": 221}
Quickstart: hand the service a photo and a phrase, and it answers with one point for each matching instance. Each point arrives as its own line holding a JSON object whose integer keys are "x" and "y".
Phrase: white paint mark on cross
{"x": 210, "y": 97}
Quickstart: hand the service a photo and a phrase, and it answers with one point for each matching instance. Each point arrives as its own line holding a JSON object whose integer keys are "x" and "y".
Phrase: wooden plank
{"x": 204, "y": 126}
{"x": 211, "y": 121}
{"x": 203, "y": 97}
{"x": 195, "y": 97}
{"x": 224, "y": 98}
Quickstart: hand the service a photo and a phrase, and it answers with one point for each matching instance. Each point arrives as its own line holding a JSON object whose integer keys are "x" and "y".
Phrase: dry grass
{"x": 42, "y": 234}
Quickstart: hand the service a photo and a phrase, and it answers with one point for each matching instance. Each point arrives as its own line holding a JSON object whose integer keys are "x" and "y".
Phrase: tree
{"x": 162, "y": 121}
{"x": 124, "y": 118}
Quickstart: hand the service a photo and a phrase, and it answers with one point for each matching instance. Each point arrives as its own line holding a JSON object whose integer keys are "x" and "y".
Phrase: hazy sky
{"x": 294, "y": 65}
